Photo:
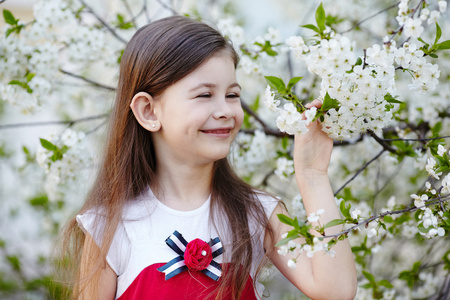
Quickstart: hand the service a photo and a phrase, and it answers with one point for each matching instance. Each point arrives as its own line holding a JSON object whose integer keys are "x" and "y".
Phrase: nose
{"x": 223, "y": 110}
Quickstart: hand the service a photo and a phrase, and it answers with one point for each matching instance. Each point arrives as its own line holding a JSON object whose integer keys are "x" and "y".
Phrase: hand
{"x": 312, "y": 150}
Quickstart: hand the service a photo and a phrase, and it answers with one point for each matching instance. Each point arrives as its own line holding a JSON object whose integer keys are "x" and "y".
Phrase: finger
{"x": 316, "y": 103}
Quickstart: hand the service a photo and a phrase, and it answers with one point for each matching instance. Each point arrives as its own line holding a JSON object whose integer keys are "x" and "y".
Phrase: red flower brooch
{"x": 198, "y": 255}
{"x": 195, "y": 256}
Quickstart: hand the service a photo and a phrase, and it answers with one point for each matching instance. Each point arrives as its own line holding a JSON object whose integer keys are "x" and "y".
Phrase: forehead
{"x": 218, "y": 69}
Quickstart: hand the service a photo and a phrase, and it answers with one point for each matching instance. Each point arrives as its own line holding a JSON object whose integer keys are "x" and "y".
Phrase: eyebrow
{"x": 212, "y": 85}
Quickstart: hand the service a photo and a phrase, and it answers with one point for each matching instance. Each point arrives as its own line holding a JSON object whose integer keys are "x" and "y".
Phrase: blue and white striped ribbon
{"x": 178, "y": 244}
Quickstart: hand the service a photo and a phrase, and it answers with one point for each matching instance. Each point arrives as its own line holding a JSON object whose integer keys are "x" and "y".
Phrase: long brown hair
{"x": 158, "y": 55}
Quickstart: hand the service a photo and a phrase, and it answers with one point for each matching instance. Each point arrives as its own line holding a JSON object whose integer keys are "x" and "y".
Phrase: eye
{"x": 204, "y": 95}
{"x": 233, "y": 95}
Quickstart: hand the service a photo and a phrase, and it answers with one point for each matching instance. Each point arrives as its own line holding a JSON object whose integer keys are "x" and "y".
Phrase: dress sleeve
{"x": 119, "y": 252}
{"x": 268, "y": 202}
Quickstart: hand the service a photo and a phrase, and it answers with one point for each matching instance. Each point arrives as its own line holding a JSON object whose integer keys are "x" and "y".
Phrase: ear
{"x": 143, "y": 107}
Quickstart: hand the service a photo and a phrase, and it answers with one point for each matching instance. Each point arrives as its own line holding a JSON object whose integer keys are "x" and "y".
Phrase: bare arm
{"x": 102, "y": 285}
{"x": 322, "y": 276}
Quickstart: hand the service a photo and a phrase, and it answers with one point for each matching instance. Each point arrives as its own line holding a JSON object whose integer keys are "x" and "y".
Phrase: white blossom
{"x": 269, "y": 100}
{"x": 314, "y": 216}
{"x": 441, "y": 150}
{"x": 442, "y": 6}
{"x": 413, "y": 27}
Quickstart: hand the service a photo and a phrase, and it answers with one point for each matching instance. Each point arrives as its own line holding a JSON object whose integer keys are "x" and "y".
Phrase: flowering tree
{"x": 381, "y": 69}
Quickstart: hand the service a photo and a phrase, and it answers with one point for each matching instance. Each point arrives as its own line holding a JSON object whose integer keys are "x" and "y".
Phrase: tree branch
{"x": 418, "y": 139}
{"x": 359, "y": 171}
{"x": 248, "y": 110}
{"x": 69, "y": 122}
{"x": 167, "y": 7}
{"x": 146, "y": 11}
{"x": 130, "y": 12}
{"x": 94, "y": 83}
{"x": 110, "y": 29}
{"x": 388, "y": 213}
{"x": 370, "y": 17}
{"x": 380, "y": 141}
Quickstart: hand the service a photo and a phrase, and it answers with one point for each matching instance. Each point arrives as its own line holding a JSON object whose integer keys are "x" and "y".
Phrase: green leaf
{"x": 293, "y": 82}
{"x": 312, "y": 27}
{"x": 433, "y": 55}
{"x": 10, "y": 30}
{"x": 320, "y": 17}
{"x": 276, "y": 83}
{"x": 285, "y": 142}
{"x": 9, "y": 18}
{"x": 359, "y": 61}
{"x": 285, "y": 241}
{"x": 345, "y": 210}
{"x": 422, "y": 41}
{"x": 30, "y": 76}
{"x": 443, "y": 46}
{"x": 39, "y": 201}
{"x": 390, "y": 99}
{"x": 329, "y": 103}
{"x": 25, "y": 150}
{"x": 14, "y": 262}
{"x": 438, "y": 33}
{"x": 285, "y": 219}
{"x": 369, "y": 277}
{"x": 48, "y": 145}
{"x": 385, "y": 283}
{"x": 334, "y": 223}
{"x": 16, "y": 82}
{"x": 436, "y": 129}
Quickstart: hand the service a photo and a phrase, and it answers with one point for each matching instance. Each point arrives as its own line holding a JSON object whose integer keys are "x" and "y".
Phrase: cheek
{"x": 239, "y": 117}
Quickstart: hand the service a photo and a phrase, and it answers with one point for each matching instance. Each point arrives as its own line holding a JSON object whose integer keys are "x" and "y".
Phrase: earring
{"x": 153, "y": 125}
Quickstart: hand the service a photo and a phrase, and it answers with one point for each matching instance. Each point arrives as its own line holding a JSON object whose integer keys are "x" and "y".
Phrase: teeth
{"x": 219, "y": 131}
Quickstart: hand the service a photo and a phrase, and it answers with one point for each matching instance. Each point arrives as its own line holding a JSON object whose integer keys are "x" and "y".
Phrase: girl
{"x": 167, "y": 218}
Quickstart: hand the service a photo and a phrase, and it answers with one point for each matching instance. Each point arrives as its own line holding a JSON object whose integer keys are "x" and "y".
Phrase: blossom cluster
{"x": 412, "y": 25}
{"x": 31, "y": 58}
{"x": 362, "y": 85}
{"x": 289, "y": 119}
{"x": 255, "y": 53}
{"x": 295, "y": 248}
{"x": 62, "y": 157}
{"x": 250, "y": 152}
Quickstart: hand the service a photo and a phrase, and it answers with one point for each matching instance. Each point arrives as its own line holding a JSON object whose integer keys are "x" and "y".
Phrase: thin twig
{"x": 110, "y": 29}
{"x": 359, "y": 171}
{"x": 370, "y": 17}
{"x": 401, "y": 27}
{"x": 70, "y": 122}
{"x": 418, "y": 139}
{"x": 146, "y": 12}
{"x": 92, "y": 82}
{"x": 167, "y": 7}
{"x": 130, "y": 12}
{"x": 97, "y": 127}
{"x": 267, "y": 131}
{"x": 388, "y": 213}
{"x": 380, "y": 141}
{"x": 248, "y": 110}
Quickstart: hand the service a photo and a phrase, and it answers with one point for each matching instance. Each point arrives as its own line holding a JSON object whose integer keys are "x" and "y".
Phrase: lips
{"x": 217, "y": 131}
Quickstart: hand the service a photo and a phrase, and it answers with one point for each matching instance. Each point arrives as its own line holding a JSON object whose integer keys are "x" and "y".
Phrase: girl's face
{"x": 200, "y": 114}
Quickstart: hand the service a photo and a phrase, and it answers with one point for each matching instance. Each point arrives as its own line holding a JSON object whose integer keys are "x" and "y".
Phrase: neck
{"x": 183, "y": 187}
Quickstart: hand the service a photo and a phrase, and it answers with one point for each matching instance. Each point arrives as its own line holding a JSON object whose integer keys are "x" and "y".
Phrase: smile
{"x": 219, "y": 132}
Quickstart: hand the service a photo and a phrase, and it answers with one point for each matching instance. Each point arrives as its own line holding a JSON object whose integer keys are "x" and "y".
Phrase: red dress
{"x": 139, "y": 248}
